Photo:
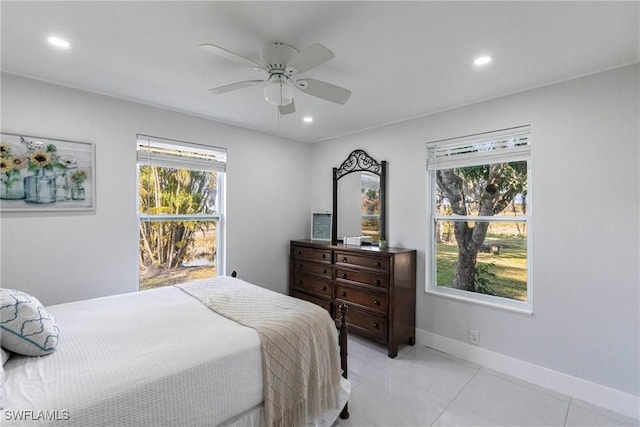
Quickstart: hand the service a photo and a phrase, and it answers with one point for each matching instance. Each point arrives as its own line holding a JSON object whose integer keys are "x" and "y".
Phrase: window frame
{"x": 219, "y": 166}
{"x": 502, "y": 155}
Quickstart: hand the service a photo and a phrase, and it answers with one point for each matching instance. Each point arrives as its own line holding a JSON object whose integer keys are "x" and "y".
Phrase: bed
{"x": 173, "y": 356}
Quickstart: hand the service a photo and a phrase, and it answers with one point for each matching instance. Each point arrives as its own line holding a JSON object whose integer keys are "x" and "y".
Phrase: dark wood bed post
{"x": 343, "y": 351}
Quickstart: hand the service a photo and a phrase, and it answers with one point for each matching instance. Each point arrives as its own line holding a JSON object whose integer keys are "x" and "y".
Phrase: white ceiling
{"x": 400, "y": 59}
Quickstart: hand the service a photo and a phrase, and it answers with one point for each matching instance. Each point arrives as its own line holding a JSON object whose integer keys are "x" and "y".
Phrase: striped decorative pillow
{"x": 26, "y": 326}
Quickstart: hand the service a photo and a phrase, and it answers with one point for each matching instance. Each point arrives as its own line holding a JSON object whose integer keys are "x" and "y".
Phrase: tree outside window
{"x": 480, "y": 218}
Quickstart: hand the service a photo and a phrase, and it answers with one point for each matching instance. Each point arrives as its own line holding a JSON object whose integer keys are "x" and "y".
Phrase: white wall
{"x": 63, "y": 257}
{"x": 585, "y": 232}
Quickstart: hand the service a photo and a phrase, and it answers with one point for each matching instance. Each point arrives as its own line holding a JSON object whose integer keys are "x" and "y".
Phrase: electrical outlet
{"x": 474, "y": 337}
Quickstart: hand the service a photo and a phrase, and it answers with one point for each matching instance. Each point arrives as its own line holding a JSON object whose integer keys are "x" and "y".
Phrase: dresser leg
{"x": 412, "y": 341}
{"x": 393, "y": 351}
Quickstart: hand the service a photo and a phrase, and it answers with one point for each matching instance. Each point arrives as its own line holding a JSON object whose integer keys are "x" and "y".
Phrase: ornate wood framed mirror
{"x": 359, "y": 199}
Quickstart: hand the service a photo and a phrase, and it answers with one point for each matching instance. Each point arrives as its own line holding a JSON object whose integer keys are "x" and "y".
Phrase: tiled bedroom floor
{"x": 424, "y": 387}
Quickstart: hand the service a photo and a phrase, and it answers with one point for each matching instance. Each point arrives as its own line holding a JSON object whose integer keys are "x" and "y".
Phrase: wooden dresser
{"x": 378, "y": 285}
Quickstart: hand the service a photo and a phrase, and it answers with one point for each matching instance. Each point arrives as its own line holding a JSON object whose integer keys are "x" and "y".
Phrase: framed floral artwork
{"x": 45, "y": 174}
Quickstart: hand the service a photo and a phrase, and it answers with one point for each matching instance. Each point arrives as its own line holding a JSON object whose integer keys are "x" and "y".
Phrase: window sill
{"x": 485, "y": 300}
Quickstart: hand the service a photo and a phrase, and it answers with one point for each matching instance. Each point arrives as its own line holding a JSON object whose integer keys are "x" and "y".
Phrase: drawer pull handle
{"x": 300, "y": 266}
{"x": 377, "y": 263}
{"x": 299, "y": 252}
{"x": 344, "y": 275}
{"x": 344, "y": 259}
{"x": 376, "y": 302}
{"x": 300, "y": 281}
{"x": 324, "y": 288}
{"x": 324, "y": 271}
{"x": 324, "y": 256}
{"x": 376, "y": 282}
{"x": 375, "y": 325}
{"x": 344, "y": 294}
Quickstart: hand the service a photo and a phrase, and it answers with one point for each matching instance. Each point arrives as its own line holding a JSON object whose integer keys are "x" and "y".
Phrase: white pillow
{"x": 5, "y": 356}
{"x": 27, "y": 328}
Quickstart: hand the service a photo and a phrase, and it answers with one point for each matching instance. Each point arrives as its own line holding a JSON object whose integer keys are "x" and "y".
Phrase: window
{"x": 370, "y": 206}
{"x": 479, "y": 212}
{"x": 180, "y": 210}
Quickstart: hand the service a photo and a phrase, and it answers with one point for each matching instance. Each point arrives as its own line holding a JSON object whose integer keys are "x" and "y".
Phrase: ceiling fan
{"x": 283, "y": 65}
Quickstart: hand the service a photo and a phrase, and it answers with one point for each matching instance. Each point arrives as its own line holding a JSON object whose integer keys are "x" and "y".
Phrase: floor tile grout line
{"x": 529, "y": 386}
{"x": 457, "y": 394}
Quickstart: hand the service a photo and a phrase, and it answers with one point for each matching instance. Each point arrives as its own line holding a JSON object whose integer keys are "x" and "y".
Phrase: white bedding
{"x": 255, "y": 415}
{"x": 95, "y": 376}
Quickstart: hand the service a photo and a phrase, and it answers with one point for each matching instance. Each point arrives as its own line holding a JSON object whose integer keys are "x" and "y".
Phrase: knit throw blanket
{"x": 300, "y": 356}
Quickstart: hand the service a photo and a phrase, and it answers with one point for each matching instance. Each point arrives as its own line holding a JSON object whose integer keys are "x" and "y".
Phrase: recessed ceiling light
{"x": 58, "y": 42}
{"x": 307, "y": 119}
{"x": 481, "y": 60}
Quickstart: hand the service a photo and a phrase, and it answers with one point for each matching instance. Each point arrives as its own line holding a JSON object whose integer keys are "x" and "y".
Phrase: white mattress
{"x": 191, "y": 366}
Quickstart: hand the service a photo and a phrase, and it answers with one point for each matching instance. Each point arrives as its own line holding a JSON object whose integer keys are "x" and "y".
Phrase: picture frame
{"x": 46, "y": 174}
{"x": 321, "y": 226}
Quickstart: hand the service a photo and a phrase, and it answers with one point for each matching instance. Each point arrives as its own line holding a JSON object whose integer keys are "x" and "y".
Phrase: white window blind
{"x": 491, "y": 147}
{"x": 186, "y": 155}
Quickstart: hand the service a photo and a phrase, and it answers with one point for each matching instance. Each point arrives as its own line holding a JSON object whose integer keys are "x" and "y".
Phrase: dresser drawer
{"x": 313, "y": 285}
{"x": 363, "y": 261}
{"x": 364, "y": 277}
{"x": 313, "y": 268}
{"x": 326, "y": 304}
{"x": 312, "y": 254}
{"x": 365, "y": 322}
{"x": 376, "y": 301}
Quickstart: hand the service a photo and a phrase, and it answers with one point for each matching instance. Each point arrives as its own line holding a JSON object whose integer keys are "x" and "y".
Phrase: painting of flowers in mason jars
{"x": 44, "y": 174}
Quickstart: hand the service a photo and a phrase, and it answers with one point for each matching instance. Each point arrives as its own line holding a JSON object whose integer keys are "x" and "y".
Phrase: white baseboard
{"x": 603, "y": 396}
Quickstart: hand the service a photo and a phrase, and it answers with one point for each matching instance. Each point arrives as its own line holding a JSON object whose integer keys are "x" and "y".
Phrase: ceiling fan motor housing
{"x": 276, "y": 56}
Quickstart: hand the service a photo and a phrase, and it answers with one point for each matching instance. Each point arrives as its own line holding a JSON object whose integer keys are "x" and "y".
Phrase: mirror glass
{"x": 359, "y": 207}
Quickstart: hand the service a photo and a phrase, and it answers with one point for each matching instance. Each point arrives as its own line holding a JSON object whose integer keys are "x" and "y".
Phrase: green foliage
{"x": 484, "y": 277}
{"x": 499, "y": 182}
{"x": 170, "y": 191}
{"x": 509, "y": 267}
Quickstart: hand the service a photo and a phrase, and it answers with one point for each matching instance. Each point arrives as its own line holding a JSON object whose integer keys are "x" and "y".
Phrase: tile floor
{"x": 424, "y": 387}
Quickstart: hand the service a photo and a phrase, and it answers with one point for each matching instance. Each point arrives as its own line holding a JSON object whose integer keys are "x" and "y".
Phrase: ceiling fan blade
{"x": 233, "y": 86}
{"x": 231, "y": 56}
{"x": 312, "y": 56}
{"x": 324, "y": 90}
{"x": 287, "y": 109}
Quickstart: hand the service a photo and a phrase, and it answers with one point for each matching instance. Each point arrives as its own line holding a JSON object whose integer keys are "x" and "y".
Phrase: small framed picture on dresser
{"x": 321, "y": 226}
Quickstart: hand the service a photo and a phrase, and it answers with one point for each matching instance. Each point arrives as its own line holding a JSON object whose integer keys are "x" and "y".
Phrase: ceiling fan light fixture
{"x": 278, "y": 93}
